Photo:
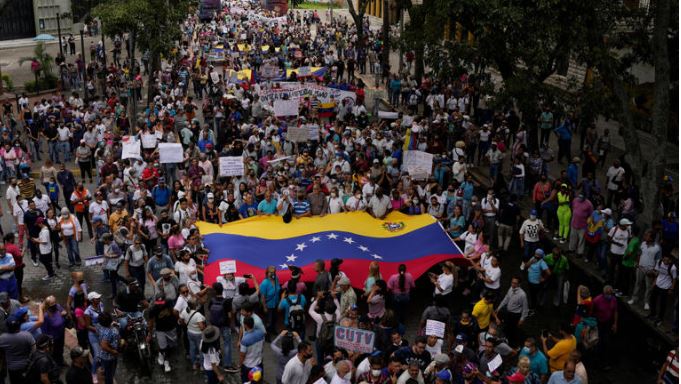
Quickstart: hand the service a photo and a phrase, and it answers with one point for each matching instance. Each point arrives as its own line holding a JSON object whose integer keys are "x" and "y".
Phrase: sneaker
{"x": 35, "y": 263}
{"x": 562, "y": 241}
{"x": 94, "y": 379}
{"x": 166, "y": 366}
{"x": 555, "y": 238}
{"x": 160, "y": 360}
{"x": 631, "y": 302}
{"x": 46, "y": 277}
{"x": 586, "y": 261}
{"x": 646, "y": 307}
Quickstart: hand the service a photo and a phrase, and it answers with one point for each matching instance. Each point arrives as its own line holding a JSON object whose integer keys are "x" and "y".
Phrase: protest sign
{"x": 387, "y": 115}
{"x": 92, "y": 261}
{"x": 214, "y": 77}
{"x": 435, "y": 328}
{"x": 231, "y": 166}
{"x": 354, "y": 339}
{"x": 298, "y": 134}
{"x": 313, "y": 131}
{"x": 297, "y": 91}
{"x": 495, "y": 363}
{"x": 131, "y": 150}
{"x": 418, "y": 163}
{"x": 170, "y": 153}
{"x": 227, "y": 266}
{"x": 148, "y": 140}
{"x": 286, "y": 108}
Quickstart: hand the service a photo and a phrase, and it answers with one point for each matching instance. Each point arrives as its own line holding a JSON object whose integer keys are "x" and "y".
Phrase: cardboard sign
{"x": 286, "y": 108}
{"x": 354, "y": 339}
{"x": 148, "y": 140}
{"x": 93, "y": 261}
{"x": 170, "y": 153}
{"x": 313, "y": 131}
{"x": 131, "y": 150}
{"x": 418, "y": 163}
{"x": 231, "y": 166}
{"x": 298, "y": 134}
{"x": 495, "y": 363}
{"x": 227, "y": 266}
{"x": 214, "y": 77}
{"x": 435, "y": 328}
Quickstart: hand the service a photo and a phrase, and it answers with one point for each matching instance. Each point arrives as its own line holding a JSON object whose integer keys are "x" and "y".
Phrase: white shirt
{"x": 64, "y": 133}
{"x": 379, "y": 206}
{"x": 180, "y": 304}
{"x": 665, "y": 275}
{"x": 614, "y": 176}
{"x": 45, "y": 245}
{"x": 620, "y": 238}
{"x": 435, "y": 349}
{"x": 99, "y": 210}
{"x": 368, "y": 190}
{"x": 530, "y": 229}
{"x": 185, "y": 272}
{"x": 354, "y": 204}
{"x": 70, "y": 226}
{"x": 335, "y": 204}
{"x": 192, "y": 319}
{"x": 209, "y": 358}
{"x": 487, "y": 204}
{"x": 494, "y": 274}
{"x": 295, "y": 372}
{"x": 446, "y": 282}
{"x": 230, "y": 287}
{"x": 469, "y": 240}
{"x": 12, "y": 194}
{"x": 649, "y": 256}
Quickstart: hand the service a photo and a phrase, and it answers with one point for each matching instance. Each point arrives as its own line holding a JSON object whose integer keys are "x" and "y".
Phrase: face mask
{"x": 333, "y": 194}
{"x": 375, "y": 372}
{"x": 533, "y": 217}
{"x": 525, "y": 350}
{"x": 52, "y": 308}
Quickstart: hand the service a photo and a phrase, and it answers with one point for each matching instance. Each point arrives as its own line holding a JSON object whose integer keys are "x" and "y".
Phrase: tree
{"x": 358, "y": 17}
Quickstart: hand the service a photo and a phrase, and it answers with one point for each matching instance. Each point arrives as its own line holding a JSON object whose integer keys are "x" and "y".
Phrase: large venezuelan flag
{"x": 356, "y": 237}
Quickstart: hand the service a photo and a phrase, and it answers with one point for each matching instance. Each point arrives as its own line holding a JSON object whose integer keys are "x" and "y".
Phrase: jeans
{"x": 504, "y": 236}
{"x": 64, "y": 150}
{"x": 271, "y": 320}
{"x": 85, "y": 169}
{"x": 194, "y": 352}
{"x": 95, "y": 349}
{"x": 658, "y": 299}
{"x": 139, "y": 275}
{"x": 401, "y": 303}
{"x": 53, "y": 151}
{"x": 109, "y": 370}
{"x": 211, "y": 377}
{"x": 10, "y": 286}
{"x": 226, "y": 346}
{"x": 529, "y": 249}
{"x": 72, "y": 250}
{"x": 493, "y": 171}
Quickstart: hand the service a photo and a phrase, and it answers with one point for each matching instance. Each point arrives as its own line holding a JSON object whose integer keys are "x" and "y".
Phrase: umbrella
{"x": 44, "y": 37}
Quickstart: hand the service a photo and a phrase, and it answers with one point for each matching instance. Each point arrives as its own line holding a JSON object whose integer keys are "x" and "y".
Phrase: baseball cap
{"x": 539, "y": 252}
{"x": 444, "y": 375}
{"x": 441, "y": 358}
{"x": 461, "y": 338}
{"x": 78, "y": 351}
{"x": 21, "y": 312}
{"x": 93, "y": 295}
{"x": 516, "y": 378}
{"x": 625, "y": 221}
{"x": 607, "y": 211}
{"x": 533, "y": 213}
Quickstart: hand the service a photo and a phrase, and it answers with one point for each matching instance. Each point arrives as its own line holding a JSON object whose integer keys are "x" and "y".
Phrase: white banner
{"x": 148, "y": 140}
{"x": 354, "y": 339}
{"x": 227, "y": 266}
{"x": 297, "y": 91}
{"x": 231, "y": 166}
{"x": 286, "y": 108}
{"x": 435, "y": 328}
{"x": 170, "y": 153}
{"x": 418, "y": 163}
{"x": 131, "y": 150}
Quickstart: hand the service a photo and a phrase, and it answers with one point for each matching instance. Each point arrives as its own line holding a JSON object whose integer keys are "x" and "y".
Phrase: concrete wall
{"x": 45, "y": 13}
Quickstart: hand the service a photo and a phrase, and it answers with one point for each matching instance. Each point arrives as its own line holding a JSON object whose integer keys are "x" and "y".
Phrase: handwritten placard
{"x": 148, "y": 140}
{"x": 435, "y": 328}
{"x": 231, "y": 166}
{"x": 286, "y": 108}
{"x": 354, "y": 339}
{"x": 227, "y": 266}
{"x": 131, "y": 150}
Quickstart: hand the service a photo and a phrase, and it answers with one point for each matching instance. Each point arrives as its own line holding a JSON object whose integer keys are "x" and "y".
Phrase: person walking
{"x": 71, "y": 234}
{"x": 564, "y": 214}
{"x": 109, "y": 341}
{"x": 298, "y": 369}
{"x": 514, "y": 309}
{"x": 44, "y": 243}
{"x": 645, "y": 278}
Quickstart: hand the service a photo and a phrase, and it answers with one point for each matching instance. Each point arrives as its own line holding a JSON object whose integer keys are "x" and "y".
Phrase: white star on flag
{"x": 332, "y": 236}
{"x": 283, "y": 266}
{"x": 363, "y": 248}
{"x": 300, "y": 247}
{"x": 292, "y": 258}
{"x": 375, "y": 256}
{"x": 349, "y": 240}
{"x": 315, "y": 239}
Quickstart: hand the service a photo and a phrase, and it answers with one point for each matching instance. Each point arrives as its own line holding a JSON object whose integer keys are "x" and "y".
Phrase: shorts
{"x": 167, "y": 339}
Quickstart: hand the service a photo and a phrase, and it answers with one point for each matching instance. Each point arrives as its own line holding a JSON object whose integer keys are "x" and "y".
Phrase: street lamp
{"x": 61, "y": 50}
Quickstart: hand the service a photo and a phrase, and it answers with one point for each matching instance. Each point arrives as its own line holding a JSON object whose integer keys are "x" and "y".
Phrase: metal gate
{"x": 16, "y": 20}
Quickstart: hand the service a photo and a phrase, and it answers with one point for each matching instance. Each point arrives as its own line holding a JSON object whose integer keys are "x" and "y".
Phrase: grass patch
{"x": 310, "y": 5}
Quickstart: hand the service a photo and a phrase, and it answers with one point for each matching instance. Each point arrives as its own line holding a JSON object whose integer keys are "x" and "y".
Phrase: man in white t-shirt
{"x": 379, "y": 205}
{"x": 530, "y": 232}
{"x": 650, "y": 254}
{"x": 490, "y": 208}
{"x": 618, "y": 237}
{"x": 298, "y": 369}
{"x": 99, "y": 208}
{"x": 614, "y": 178}
{"x": 666, "y": 278}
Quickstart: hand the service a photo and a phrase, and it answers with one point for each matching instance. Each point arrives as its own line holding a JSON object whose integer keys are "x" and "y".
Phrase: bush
{"x": 46, "y": 82}
{"x": 9, "y": 85}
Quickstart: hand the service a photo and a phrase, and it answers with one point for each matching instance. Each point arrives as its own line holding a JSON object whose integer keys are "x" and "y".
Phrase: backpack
{"x": 216, "y": 310}
{"x": 589, "y": 336}
{"x": 326, "y": 333}
{"x": 296, "y": 314}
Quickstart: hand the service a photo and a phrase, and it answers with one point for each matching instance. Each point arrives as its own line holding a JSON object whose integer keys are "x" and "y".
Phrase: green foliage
{"x": 9, "y": 84}
{"x": 156, "y": 23}
{"x": 46, "y": 82}
{"x": 320, "y": 6}
{"x": 44, "y": 58}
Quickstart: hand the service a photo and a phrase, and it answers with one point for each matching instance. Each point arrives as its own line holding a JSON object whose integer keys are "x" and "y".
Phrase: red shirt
{"x": 604, "y": 309}
{"x": 13, "y": 250}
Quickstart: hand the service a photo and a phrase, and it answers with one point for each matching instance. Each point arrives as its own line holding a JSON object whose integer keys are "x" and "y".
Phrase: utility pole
{"x": 82, "y": 53}
{"x": 61, "y": 50}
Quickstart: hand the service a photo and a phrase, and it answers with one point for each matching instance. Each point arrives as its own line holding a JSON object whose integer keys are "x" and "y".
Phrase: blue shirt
{"x": 7, "y": 261}
{"x": 558, "y": 378}
{"x": 248, "y": 210}
{"x": 268, "y": 208}
{"x": 460, "y": 222}
{"x": 535, "y": 270}
{"x": 161, "y": 195}
{"x": 468, "y": 189}
{"x": 572, "y": 172}
{"x": 110, "y": 334}
{"x": 284, "y": 305}
{"x": 270, "y": 291}
{"x": 253, "y": 336}
{"x": 538, "y": 363}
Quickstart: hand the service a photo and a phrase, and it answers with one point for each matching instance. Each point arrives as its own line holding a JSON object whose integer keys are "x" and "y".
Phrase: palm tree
{"x": 41, "y": 56}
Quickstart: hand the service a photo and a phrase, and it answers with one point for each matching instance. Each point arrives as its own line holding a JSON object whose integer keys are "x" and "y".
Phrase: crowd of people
{"x": 140, "y": 215}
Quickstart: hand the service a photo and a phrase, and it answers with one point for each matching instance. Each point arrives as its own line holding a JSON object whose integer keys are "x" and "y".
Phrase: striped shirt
{"x": 301, "y": 207}
{"x": 673, "y": 364}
